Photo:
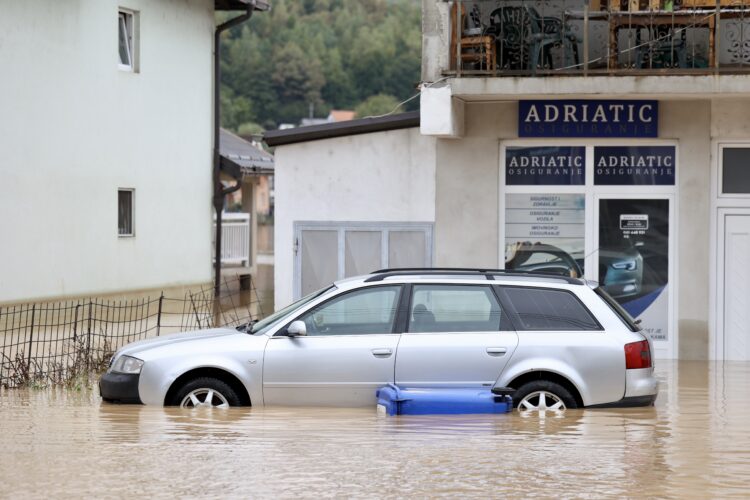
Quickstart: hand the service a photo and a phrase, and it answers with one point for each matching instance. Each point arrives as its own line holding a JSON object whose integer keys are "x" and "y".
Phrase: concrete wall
{"x": 689, "y": 123}
{"x": 435, "y": 39}
{"x": 74, "y": 128}
{"x": 383, "y": 176}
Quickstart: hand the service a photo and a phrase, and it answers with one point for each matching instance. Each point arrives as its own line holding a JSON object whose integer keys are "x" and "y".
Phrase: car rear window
{"x": 618, "y": 310}
{"x": 547, "y": 309}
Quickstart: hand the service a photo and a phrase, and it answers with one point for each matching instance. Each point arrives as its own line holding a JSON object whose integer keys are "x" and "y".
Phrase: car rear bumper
{"x": 120, "y": 388}
{"x": 640, "y": 382}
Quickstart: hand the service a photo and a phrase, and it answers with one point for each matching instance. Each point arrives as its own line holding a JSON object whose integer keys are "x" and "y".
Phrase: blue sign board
{"x": 634, "y": 165}
{"x": 588, "y": 118}
{"x": 537, "y": 166}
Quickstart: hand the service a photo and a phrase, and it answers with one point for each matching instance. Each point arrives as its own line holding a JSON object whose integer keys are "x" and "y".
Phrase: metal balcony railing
{"x": 557, "y": 37}
{"x": 235, "y": 238}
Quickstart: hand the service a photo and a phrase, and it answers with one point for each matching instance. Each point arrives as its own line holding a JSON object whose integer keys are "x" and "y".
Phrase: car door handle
{"x": 496, "y": 351}
{"x": 382, "y": 353}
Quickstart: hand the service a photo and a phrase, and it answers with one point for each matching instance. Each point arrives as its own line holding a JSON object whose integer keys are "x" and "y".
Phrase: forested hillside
{"x": 331, "y": 53}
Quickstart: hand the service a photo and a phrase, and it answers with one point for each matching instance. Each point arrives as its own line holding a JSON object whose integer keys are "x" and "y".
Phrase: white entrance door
{"x": 737, "y": 287}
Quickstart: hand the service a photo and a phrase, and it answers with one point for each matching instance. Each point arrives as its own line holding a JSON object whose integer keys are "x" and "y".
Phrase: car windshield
{"x": 266, "y": 323}
{"x": 618, "y": 309}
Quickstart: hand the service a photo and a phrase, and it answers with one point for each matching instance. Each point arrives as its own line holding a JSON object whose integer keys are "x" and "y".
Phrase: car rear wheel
{"x": 543, "y": 395}
{"x": 206, "y": 392}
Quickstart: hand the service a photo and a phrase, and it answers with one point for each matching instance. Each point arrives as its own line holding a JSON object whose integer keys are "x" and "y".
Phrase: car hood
{"x": 134, "y": 348}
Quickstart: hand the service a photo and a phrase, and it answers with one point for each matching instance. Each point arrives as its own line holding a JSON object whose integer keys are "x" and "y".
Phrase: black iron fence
{"x": 57, "y": 342}
{"x": 552, "y": 37}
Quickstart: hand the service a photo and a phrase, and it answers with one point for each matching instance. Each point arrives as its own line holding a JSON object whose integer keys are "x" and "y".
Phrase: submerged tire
{"x": 543, "y": 395}
{"x": 205, "y": 392}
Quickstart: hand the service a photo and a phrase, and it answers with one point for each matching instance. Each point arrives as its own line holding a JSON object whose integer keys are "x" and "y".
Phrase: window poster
{"x": 545, "y": 165}
{"x": 545, "y": 233}
{"x": 634, "y": 259}
{"x": 634, "y": 165}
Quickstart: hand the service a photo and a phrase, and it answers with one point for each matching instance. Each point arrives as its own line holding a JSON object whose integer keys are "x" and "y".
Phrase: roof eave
{"x": 257, "y": 5}
{"x": 340, "y": 129}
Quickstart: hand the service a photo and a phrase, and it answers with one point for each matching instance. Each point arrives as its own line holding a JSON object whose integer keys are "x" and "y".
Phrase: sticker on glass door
{"x": 634, "y": 259}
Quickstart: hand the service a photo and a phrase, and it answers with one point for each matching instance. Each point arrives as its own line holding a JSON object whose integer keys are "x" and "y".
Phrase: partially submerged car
{"x": 558, "y": 341}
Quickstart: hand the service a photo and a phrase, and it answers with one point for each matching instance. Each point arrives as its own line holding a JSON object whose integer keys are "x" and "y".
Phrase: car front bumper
{"x": 120, "y": 388}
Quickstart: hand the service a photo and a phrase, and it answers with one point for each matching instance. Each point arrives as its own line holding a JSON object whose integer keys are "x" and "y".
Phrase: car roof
{"x": 497, "y": 276}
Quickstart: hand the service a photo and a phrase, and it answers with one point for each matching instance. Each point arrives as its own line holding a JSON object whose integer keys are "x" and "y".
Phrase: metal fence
{"x": 56, "y": 342}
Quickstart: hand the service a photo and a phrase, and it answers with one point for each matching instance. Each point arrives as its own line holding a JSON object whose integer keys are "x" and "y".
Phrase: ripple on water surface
{"x": 695, "y": 442}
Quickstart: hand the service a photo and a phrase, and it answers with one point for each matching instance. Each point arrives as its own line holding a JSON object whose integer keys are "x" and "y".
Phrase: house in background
{"x": 334, "y": 116}
{"x": 248, "y": 208}
{"x": 341, "y": 115}
{"x": 116, "y": 198}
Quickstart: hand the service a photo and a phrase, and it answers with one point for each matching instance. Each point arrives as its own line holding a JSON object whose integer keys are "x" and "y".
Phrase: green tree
{"x": 376, "y": 105}
{"x": 331, "y": 53}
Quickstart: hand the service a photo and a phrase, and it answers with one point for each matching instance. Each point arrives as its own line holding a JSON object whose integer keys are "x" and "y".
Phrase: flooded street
{"x": 694, "y": 443}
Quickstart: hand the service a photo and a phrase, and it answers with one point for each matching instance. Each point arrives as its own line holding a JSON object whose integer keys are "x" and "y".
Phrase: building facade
{"x": 596, "y": 148}
{"x": 105, "y": 146}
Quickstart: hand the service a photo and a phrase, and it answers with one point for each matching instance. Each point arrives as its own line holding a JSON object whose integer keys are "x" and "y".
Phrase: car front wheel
{"x": 205, "y": 392}
{"x": 543, "y": 395}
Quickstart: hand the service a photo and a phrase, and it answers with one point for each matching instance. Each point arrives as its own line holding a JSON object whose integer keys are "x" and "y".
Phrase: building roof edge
{"x": 340, "y": 129}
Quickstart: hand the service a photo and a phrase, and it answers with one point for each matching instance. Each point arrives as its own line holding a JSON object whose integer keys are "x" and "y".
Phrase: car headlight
{"x": 127, "y": 364}
{"x": 628, "y": 265}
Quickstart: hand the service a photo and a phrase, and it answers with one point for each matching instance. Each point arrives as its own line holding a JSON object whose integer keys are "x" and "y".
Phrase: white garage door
{"x": 325, "y": 252}
{"x": 737, "y": 287}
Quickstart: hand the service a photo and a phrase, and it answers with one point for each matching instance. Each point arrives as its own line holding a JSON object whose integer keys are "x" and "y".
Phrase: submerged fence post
{"x": 88, "y": 338}
{"x": 195, "y": 310}
{"x": 31, "y": 339}
{"x": 75, "y": 323}
{"x": 158, "y": 314}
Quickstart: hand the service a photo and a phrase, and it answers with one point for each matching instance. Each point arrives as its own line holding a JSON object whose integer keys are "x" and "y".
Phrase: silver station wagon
{"x": 560, "y": 342}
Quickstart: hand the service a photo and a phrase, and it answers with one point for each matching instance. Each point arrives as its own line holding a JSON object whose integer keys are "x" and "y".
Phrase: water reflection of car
{"x": 620, "y": 269}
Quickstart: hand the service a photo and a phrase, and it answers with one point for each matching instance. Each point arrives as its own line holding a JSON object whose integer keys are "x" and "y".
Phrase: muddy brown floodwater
{"x": 694, "y": 443}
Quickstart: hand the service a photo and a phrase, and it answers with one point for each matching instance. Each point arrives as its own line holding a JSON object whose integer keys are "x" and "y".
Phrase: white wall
{"x": 383, "y": 176}
{"x": 74, "y": 128}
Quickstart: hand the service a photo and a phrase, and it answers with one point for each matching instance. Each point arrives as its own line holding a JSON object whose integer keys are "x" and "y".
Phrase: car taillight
{"x": 637, "y": 355}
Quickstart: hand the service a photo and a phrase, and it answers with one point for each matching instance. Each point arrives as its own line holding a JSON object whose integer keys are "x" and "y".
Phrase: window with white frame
{"x": 329, "y": 251}
{"x": 735, "y": 171}
{"x": 127, "y": 46}
{"x": 126, "y": 212}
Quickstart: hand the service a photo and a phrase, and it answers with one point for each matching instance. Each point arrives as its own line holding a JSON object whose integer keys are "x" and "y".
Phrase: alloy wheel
{"x": 204, "y": 397}
{"x": 541, "y": 401}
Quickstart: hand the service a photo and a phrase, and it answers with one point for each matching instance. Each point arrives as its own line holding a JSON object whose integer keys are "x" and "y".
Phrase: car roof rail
{"x": 382, "y": 274}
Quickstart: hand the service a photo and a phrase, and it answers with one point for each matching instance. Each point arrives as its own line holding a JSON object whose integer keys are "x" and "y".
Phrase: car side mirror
{"x": 296, "y": 329}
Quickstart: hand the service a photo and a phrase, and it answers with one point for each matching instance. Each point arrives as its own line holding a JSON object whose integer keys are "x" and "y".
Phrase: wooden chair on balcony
{"x": 476, "y": 46}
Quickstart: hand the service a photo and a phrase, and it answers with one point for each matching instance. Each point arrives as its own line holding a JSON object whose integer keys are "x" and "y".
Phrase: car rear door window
{"x": 361, "y": 312}
{"x": 454, "y": 308}
{"x": 547, "y": 309}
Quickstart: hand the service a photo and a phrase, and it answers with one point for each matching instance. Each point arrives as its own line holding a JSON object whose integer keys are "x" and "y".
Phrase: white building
{"x": 627, "y": 163}
{"x": 105, "y": 146}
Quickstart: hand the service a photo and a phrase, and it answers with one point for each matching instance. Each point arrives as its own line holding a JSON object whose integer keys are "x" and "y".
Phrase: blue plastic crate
{"x": 394, "y": 400}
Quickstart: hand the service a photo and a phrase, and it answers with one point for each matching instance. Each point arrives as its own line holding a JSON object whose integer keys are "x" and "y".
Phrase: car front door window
{"x": 362, "y": 312}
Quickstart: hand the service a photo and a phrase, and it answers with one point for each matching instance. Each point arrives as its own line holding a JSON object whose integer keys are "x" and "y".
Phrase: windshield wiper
{"x": 247, "y": 327}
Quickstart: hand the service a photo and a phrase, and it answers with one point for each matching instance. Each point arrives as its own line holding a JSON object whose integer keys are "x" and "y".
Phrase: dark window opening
{"x": 125, "y": 212}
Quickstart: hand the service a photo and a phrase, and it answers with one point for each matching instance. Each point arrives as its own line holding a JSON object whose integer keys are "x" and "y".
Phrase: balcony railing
{"x": 554, "y": 37}
{"x": 235, "y": 238}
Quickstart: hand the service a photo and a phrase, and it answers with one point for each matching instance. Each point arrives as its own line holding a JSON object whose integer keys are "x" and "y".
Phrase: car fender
{"x": 158, "y": 376}
{"x": 515, "y": 370}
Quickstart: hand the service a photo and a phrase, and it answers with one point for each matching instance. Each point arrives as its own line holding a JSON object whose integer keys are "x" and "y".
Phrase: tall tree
{"x": 329, "y": 53}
